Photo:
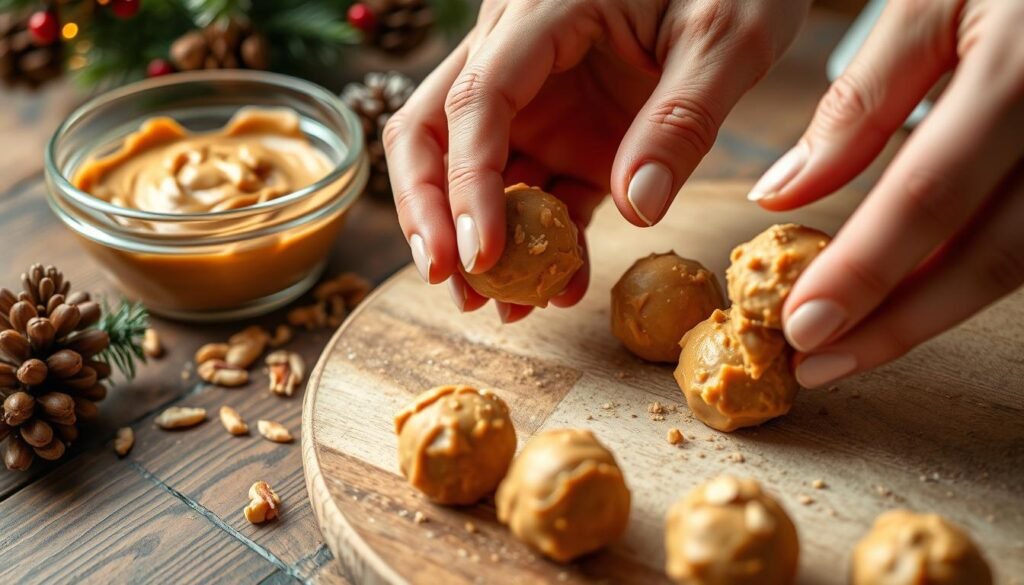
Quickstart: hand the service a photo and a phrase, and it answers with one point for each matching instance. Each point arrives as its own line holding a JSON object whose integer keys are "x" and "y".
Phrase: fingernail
{"x": 504, "y": 310}
{"x": 649, "y": 190}
{"x": 812, "y": 323}
{"x": 420, "y": 256}
{"x": 458, "y": 294}
{"x": 817, "y": 370}
{"x": 468, "y": 239}
{"x": 780, "y": 173}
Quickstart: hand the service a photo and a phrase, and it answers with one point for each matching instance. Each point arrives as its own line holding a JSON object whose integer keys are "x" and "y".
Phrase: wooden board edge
{"x": 358, "y": 559}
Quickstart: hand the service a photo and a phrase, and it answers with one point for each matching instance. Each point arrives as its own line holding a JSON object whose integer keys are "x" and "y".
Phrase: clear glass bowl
{"x": 217, "y": 265}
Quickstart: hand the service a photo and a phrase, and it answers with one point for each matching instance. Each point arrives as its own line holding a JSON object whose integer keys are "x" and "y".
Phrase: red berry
{"x": 159, "y": 67}
{"x": 360, "y": 16}
{"x": 124, "y": 9}
{"x": 43, "y": 27}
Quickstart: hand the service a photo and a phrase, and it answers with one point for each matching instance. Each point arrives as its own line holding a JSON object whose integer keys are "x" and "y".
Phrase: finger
{"x": 703, "y": 76}
{"x": 509, "y": 313}
{"x": 465, "y": 298}
{"x": 415, "y": 143}
{"x": 907, "y": 52}
{"x": 979, "y": 268}
{"x": 503, "y": 76}
{"x": 946, "y": 170}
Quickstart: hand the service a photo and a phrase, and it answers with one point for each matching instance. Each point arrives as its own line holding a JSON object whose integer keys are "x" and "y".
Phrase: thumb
{"x": 678, "y": 124}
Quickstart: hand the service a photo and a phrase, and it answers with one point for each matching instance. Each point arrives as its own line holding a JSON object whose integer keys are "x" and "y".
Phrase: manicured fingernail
{"x": 813, "y": 322}
{"x": 458, "y": 294}
{"x": 469, "y": 241}
{"x": 780, "y": 173}
{"x": 649, "y": 191}
{"x": 420, "y": 255}
{"x": 504, "y": 311}
{"x": 817, "y": 370}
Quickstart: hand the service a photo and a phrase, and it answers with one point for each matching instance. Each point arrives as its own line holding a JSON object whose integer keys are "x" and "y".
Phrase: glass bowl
{"x": 210, "y": 266}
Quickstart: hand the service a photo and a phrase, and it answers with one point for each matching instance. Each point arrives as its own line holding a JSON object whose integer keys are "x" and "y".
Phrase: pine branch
{"x": 125, "y": 326}
{"x": 207, "y": 12}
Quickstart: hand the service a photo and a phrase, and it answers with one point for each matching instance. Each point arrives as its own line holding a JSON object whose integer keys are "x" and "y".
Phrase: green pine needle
{"x": 126, "y": 327}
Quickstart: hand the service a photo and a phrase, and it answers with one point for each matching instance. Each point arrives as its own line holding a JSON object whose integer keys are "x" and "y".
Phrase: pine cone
{"x": 374, "y": 101}
{"x": 402, "y": 25}
{"x": 49, "y": 375}
{"x": 22, "y": 62}
{"x": 227, "y": 45}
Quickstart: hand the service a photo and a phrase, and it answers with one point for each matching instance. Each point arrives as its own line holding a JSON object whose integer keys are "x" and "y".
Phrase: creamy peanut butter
{"x": 260, "y": 155}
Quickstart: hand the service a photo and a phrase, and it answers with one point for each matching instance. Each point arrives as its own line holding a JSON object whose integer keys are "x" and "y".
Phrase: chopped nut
{"x": 212, "y": 351}
{"x": 805, "y": 499}
{"x": 244, "y": 353}
{"x": 737, "y": 457}
{"x": 419, "y": 517}
{"x": 273, "y": 431}
{"x": 287, "y": 371}
{"x": 655, "y": 408}
{"x": 264, "y": 504}
{"x": 674, "y": 437}
{"x": 124, "y": 441}
{"x": 471, "y": 528}
{"x": 282, "y": 335}
{"x": 151, "y": 346}
{"x": 180, "y": 417}
{"x": 221, "y": 373}
{"x": 310, "y": 317}
{"x": 349, "y": 286}
{"x": 819, "y": 484}
{"x": 232, "y": 421}
{"x": 253, "y": 334}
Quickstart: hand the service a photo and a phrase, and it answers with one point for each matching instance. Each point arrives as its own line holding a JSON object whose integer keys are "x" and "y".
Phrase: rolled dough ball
{"x": 455, "y": 443}
{"x": 565, "y": 495}
{"x": 730, "y": 532}
{"x": 904, "y": 548}
{"x": 764, "y": 270}
{"x": 717, "y": 386}
{"x": 542, "y": 251}
{"x": 658, "y": 300}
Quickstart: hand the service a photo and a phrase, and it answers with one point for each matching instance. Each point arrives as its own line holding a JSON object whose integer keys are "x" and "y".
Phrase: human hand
{"x": 942, "y": 233}
{"x": 579, "y": 98}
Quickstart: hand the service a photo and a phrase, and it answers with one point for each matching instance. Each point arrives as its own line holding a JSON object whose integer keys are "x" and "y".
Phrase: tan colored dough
{"x": 764, "y": 270}
{"x": 717, "y": 386}
{"x": 564, "y": 495}
{"x": 542, "y": 251}
{"x": 657, "y": 300}
{"x": 759, "y": 346}
{"x": 904, "y": 548}
{"x": 455, "y": 443}
{"x": 730, "y": 532}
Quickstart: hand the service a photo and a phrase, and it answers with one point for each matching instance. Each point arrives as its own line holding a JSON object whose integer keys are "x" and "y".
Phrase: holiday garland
{"x": 113, "y": 41}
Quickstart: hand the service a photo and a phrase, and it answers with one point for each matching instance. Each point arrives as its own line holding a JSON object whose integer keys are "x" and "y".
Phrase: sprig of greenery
{"x": 126, "y": 326}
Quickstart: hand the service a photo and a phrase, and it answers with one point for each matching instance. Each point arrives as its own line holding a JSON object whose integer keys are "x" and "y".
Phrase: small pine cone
{"x": 402, "y": 25}
{"x": 375, "y": 101}
{"x": 222, "y": 45}
{"x": 22, "y": 62}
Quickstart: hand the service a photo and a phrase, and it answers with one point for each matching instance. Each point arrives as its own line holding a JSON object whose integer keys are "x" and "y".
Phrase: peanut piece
{"x": 180, "y": 417}
{"x": 222, "y": 374}
{"x": 349, "y": 286}
{"x": 264, "y": 504}
{"x": 252, "y": 334}
{"x": 273, "y": 431}
{"x": 243, "y": 354}
{"x": 124, "y": 441}
{"x": 282, "y": 335}
{"x": 212, "y": 351}
{"x": 310, "y": 317}
{"x": 233, "y": 422}
{"x": 151, "y": 346}
{"x": 287, "y": 370}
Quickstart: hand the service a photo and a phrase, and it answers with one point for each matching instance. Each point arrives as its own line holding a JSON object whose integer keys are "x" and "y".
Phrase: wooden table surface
{"x": 171, "y": 510}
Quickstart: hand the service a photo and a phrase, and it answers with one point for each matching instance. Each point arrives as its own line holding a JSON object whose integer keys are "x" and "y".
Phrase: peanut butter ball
{"x": 718, "y": 387}
{"x": 542, "y": 250}
{"x": 565, "y": 495}
{"x": 730, "y": 532}
{"x": 764, "y": 270}
{"x": 455, "y": 443}
{"x": 658, "y": 300}
{"x": 759, "y": 346}
{"x": 904, "y": 548}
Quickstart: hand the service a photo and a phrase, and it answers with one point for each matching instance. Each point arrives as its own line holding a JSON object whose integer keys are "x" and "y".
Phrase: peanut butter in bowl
{"x": 213, "y": 210}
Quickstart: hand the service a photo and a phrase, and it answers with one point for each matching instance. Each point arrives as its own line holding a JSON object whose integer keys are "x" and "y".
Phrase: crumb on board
{"x": 804, "y": 499}
{"x": 737, "y": 457}
{"x": 674, "y": 436}
{"x": 819, "y": 484}
{"x": 471, "y": 528}
{"x": 607, "y": 406}
{"x": 419, "y": 517}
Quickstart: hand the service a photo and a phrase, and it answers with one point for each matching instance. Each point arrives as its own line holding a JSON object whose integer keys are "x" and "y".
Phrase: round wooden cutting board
{"x": 942, "y": 429}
